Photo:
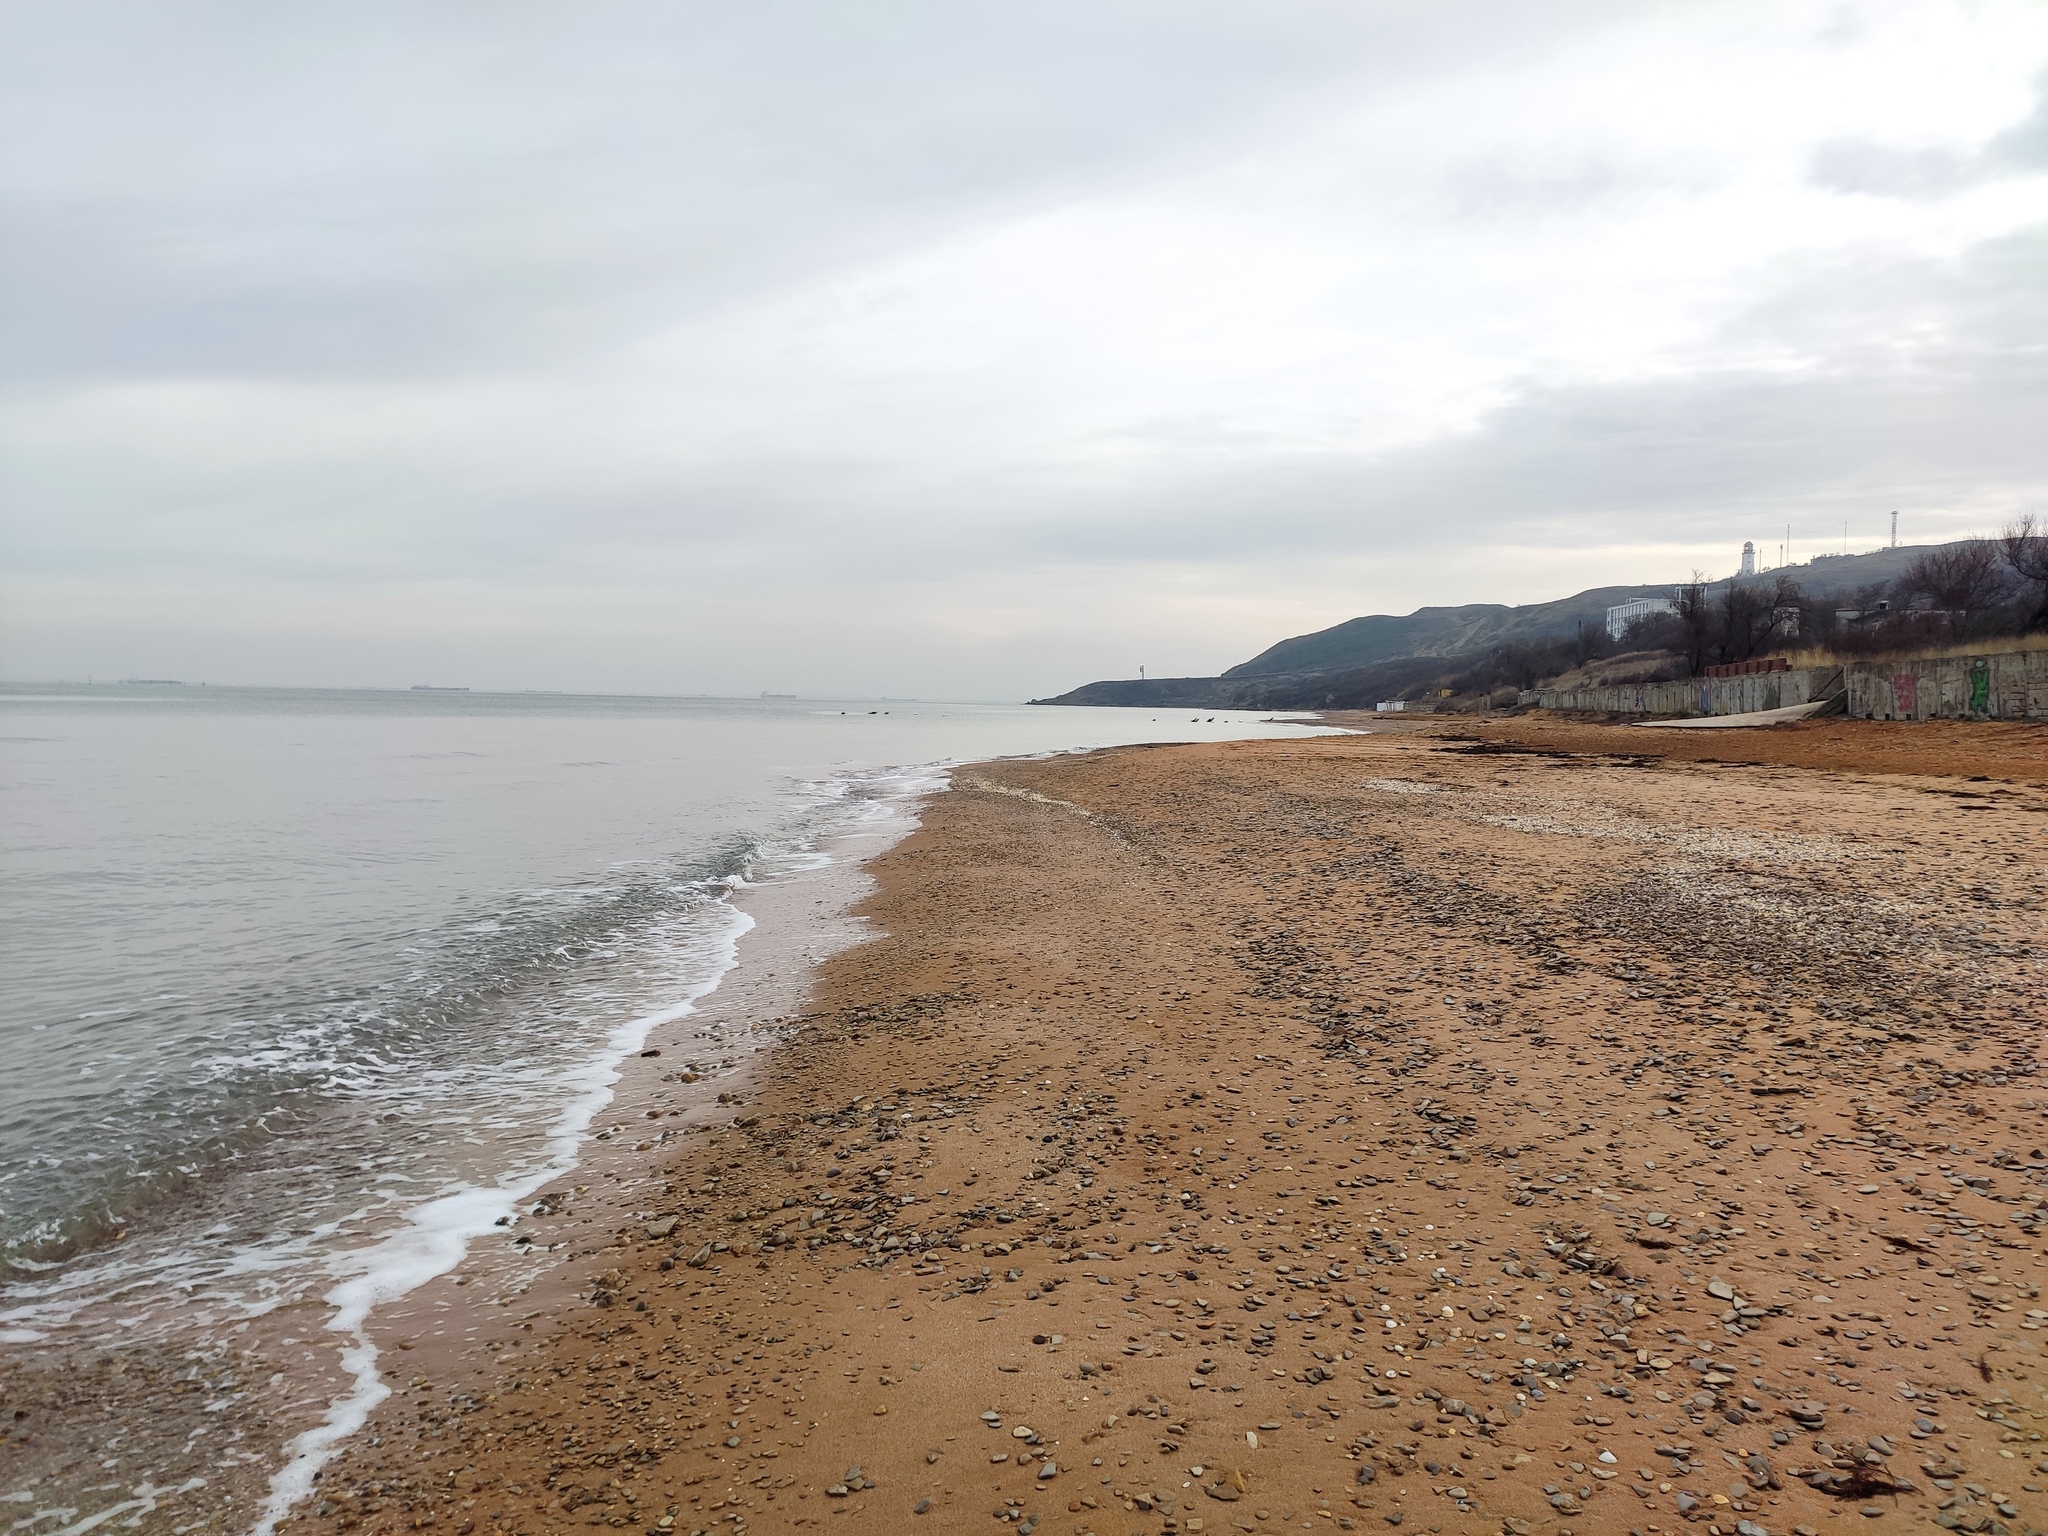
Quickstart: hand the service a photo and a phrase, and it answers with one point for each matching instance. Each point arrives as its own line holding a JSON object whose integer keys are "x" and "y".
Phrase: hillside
{"x": 1362, "y": 660}
{"x": 1347, "y": 688}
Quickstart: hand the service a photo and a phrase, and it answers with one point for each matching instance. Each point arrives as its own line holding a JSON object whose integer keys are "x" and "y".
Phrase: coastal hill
{"x": 1362, "y": 660}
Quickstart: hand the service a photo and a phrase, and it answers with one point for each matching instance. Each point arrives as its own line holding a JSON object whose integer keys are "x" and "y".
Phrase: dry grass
{"x": 1997, "y": 645}
{"x": 1629, "y": 667}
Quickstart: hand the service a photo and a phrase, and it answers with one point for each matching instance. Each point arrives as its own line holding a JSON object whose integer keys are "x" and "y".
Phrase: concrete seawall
{"x": 2009, "y": 686}
{"x": 2012, "y": 685}
{"x": 1699, "y": 695}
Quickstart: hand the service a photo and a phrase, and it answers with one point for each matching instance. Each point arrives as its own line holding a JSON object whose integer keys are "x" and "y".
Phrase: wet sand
{"x": 1414, "y": 1129}
{"x": 161, "y": 1411}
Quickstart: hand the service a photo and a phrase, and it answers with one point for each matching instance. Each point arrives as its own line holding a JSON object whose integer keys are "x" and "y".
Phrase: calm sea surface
{"x": 284, "y": 966}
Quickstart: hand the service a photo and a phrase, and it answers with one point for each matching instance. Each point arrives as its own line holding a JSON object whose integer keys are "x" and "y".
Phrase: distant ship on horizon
{"x": 778, "y": 695}
{"x": 437, "y": 688}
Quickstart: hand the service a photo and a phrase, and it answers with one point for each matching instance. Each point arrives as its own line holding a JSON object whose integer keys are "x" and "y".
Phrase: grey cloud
{"x": 1920, "y": 382}
{"x": 1525, "y": 187}
{"x": 1945, "y": 425}
{"x": 2025, "y": 144}
{"x": 1882, "y": 170}
{"x": 1867, "y": 167}
{"x": 376, "y": 190}
{"x": 414, "y": 244}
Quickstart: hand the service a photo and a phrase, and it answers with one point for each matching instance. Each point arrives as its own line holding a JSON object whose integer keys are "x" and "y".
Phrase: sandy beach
{"x": 1511, "y": 1127}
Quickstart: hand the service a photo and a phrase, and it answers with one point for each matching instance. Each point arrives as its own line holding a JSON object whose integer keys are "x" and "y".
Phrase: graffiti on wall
{"x": 1905, "y": 694}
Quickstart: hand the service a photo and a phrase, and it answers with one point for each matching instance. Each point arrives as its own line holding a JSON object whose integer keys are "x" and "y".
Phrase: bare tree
{"x": 2025, "y": 547}
{"x": 1745, "y": 622}
{"x": 1589, "y": 640}
{"x": 1751, "y": 618}
{"x": 1788, "y": 610}
{"x": 1695, "y": 623}
{"x": 1961, "y": 579}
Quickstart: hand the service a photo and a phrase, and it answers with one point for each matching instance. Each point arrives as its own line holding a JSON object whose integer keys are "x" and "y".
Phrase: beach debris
{"x": 1849, "y": 1476}
{"x": 1419, "y": 1225}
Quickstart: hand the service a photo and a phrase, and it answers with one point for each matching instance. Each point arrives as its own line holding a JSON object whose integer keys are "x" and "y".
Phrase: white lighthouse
{"x": 1748, "y": 558}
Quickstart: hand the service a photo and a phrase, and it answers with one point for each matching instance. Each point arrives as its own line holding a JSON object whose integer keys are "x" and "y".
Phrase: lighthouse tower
{"x": 1748, "y": 558}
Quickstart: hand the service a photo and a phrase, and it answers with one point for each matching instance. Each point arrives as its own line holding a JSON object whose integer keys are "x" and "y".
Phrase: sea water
{"x": 305, "y": 988}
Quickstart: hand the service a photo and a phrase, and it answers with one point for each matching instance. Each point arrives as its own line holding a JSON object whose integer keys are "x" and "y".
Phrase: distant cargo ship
{"x": 151, "y": 682}
{"x": 435, "y": 688}
{"x": 778, "y": 695}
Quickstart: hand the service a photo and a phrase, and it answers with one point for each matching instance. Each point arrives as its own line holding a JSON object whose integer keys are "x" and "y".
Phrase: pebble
{"x": 1389, "y": 1172}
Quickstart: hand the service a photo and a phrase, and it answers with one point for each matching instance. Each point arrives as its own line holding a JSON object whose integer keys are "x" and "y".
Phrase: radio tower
{"x": 1895, "y": 530}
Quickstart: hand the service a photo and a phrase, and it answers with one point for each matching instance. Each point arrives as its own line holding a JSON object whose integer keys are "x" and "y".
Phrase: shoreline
{"x": 1323, "y": 1131}
{"x": 744, "y": 1011}
{"x": 379, "y": 1325}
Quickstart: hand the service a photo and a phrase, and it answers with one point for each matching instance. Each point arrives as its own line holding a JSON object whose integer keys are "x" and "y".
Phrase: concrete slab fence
{"x": 2011, "y": 685}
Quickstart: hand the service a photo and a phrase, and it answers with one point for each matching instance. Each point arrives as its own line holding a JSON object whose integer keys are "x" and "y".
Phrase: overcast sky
{"x": 973, "y": 350}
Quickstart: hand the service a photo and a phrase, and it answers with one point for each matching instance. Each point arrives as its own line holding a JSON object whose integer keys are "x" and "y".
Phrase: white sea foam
{"x": 397, "y": 999}
{"x": 438, "y": 1233}
{"x": 141, "y": 1501}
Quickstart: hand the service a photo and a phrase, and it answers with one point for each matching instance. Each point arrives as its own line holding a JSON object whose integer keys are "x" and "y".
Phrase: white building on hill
{"x": 1621, "y": 615}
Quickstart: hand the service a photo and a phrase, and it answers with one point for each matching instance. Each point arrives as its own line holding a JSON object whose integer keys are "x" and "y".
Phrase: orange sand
{"x": 1341, "y": 1132}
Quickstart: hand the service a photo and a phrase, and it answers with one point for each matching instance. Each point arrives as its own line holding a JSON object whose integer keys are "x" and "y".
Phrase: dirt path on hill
{"x": 1352, "y": 1132}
